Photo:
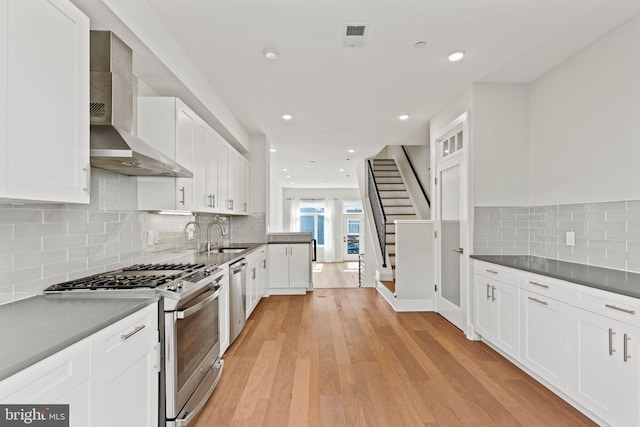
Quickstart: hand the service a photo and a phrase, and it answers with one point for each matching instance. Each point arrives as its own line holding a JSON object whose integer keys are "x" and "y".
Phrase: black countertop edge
{"x": 606, "y": 279}
{"x": 89, "y": 327}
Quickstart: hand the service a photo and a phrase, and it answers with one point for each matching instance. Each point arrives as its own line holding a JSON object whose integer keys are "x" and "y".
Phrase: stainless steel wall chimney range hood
{"x": 113, "y": 145}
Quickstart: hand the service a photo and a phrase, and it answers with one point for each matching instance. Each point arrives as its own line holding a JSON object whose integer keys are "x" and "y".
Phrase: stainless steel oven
{"x": 192, "y": 349}
{"x": 189, "y": 326}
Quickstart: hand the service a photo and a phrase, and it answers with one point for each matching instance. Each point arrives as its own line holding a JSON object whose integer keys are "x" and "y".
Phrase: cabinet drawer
{"x": 549, "y": 287}
{"x": 111, "y": 341}
{"x": 495, "y": 272}
{"x": 614, "y": 306}
{"x": 49, "y": 379}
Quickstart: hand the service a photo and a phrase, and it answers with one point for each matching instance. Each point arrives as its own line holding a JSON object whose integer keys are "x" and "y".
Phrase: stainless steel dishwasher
{"x": 237, "y": 299}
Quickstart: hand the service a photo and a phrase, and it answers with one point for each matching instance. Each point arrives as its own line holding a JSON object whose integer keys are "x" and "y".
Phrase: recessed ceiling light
{"x": 284, "y": 169}
{"x": 292, "y": 182}
{"x": 420, "y": 44}
{"x": 287, "y": 116}
{"x": 288, "y": 176}
{"x": 271, "y": 53}
{"x": 351, "y": 150}
{"x": 456, "y": 56}
{"x": 404, "y": 117}
{"x": 273, "y": 150}
{"x": 341, "y": 170}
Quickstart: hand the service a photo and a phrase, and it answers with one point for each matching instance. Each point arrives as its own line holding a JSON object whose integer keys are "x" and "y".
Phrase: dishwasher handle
{"x": 238, "y": 267}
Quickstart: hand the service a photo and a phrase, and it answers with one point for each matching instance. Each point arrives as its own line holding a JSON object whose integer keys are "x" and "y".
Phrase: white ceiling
{"x": 343, "y": 98}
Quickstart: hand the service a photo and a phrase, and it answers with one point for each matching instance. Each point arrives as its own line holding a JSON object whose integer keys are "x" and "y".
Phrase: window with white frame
{"x": 312, "y": 219}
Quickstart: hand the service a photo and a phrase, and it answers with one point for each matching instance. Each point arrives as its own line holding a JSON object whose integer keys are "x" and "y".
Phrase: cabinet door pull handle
{"x": 492, "y": 271}
{"x": 624, "y": 310}
{"x": 626, "y": 354}
{"x": 611, "y": 349}
{"x": 182, "y": 191}
{"x": 213, "y": 200}
{"x": 542, "y": 285}
{"x": 132, "y": 333}
{"x": 488, "y": 294}
{"x": 88, "y": 171}
{"x": 538, "y": 301}
{"x": 493, "y": 293}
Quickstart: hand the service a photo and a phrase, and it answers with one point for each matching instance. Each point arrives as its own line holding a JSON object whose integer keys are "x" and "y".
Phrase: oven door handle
{"x": 183, "y": 314}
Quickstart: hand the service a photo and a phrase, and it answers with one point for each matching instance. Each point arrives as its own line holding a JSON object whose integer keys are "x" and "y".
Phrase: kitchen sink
{"x": 227, "y": 250}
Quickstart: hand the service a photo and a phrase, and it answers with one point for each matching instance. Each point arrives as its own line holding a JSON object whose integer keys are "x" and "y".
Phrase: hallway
{"x": 335, "y": 274}
{"x": 343, "y": 357}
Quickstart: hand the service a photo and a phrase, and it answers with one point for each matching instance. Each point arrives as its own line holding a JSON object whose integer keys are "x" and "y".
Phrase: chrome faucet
{"x": 222, "y": 233}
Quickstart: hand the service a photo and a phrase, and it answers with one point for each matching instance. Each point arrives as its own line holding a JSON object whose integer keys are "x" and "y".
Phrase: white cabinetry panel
{"x": 44, "y": 101}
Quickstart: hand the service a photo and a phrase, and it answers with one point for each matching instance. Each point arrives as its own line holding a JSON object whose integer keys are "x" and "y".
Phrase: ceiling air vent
{"x": 354, "y": 35}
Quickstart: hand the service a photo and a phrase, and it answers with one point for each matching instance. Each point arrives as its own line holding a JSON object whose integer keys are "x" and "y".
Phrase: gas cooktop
{"x": 139, "y": 276}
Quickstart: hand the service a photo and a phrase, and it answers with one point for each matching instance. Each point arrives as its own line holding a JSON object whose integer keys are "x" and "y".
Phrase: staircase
{"x": 396, "y": 204}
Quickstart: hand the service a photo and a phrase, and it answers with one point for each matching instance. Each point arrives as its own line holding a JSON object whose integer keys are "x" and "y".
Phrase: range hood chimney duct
{"x": 114, "y": 147}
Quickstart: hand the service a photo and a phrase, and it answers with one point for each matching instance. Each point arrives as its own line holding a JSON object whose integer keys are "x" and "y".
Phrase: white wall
{"x": 585, "y": 124}
{"x": 500, "y": 151}
{"x": 258, "y": 157}
{"x": 421, "y": 159}
{"x": 275, "y": 218}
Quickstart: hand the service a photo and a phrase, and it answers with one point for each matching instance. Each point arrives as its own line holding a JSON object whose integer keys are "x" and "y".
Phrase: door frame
{"x": 462, "y": 158}
{"x": 345, "y": 219}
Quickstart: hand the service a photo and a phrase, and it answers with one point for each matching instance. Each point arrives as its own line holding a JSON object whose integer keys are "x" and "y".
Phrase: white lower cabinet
{"x": 289, "y": 266}
{"x": 256, "y": 278}
{"x": 584, "y": 342}
{"x": 125, "y": 371}
{"x": 62, "y": 378}
{"x": 497, "y": 313}
{"x": 106, "y": 379}
{"x": 544, "y": 337}
{"x": 604, "y": 368}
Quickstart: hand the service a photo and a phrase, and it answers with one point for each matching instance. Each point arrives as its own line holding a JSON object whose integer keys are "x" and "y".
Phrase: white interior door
{"x": 452, "y": 289}
{"x": 351, "y": 237}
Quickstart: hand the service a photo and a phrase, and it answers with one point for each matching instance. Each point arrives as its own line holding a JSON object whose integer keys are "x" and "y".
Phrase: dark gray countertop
{"x": 37, "y": 327}
{"x": 616, "y": 281}
{"x": 53, "y": 323}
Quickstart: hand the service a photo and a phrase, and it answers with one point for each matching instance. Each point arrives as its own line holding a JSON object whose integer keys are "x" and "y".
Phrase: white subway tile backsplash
{"x": 607, "y": 234}
{"x": 18, "y": 216}
{"x": 86, "y": 228}
{"x": 39, "y": 258}
{"x": 63, "y": 268}
{"x": 24, "y": 231}
{"x": 6, "y": 262}
{"x": 64, "y": 242}
{"x": 65, "y": 216}
{"x": 6, "y": 231}
{"x": 9, "y": 247}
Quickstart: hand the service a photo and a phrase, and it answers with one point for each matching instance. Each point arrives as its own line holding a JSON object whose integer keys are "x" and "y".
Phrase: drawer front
{"x": 495, "y": 272}
{"x": 614, "y": 306}
{"x": 549, "y": 287}
{"x": 49, "y": 379}
{"x": 110, "y": 342}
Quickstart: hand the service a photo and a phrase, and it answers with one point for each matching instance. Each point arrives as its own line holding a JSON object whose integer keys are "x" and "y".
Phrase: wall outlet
{"x": 571, "y": 238}
{"x": 150, "y": 238}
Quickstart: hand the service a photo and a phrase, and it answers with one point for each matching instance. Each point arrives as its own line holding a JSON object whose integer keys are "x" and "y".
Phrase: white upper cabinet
{"x": 169, "y": 126}
{"x": 220, "y": 173}
{"x": 44, "y": 101}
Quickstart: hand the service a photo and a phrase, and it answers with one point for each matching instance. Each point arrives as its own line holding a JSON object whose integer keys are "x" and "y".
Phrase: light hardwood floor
{"x": 335, "y": 274}
{"x": 342, "y": 357}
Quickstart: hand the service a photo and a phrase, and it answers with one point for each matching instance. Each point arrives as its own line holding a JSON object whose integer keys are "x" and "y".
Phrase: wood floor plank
{"x": 343, "y": 357}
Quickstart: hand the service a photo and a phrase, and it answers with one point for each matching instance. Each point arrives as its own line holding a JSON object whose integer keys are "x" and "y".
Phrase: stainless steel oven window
{"x": 196, "y": 336}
